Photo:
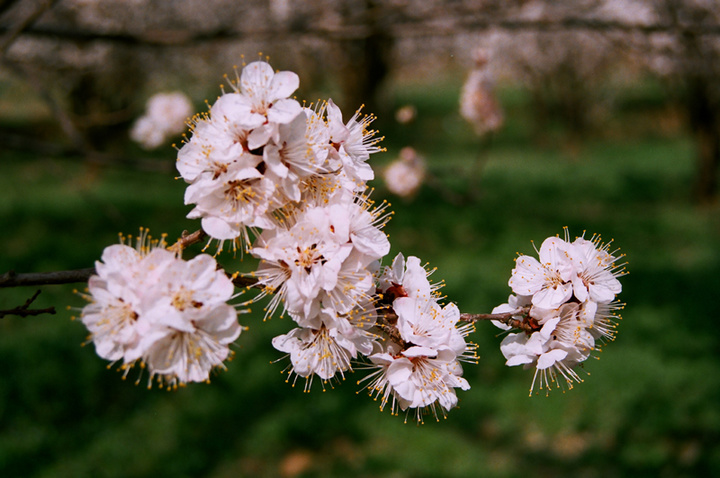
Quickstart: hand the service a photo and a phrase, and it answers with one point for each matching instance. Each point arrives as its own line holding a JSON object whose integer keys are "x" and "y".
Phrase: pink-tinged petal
{"x": 548, "y": 359}
{"x": 219, "y": 229}
{"x": 283, "y": 84}
{"x": 528, "y": 276}
{"x": 399, "y": 371}
{"x": 117, "y": 257}
{"x": 381, "y": 358}
{"x": 449, "y": 399}
{"x": 513, "y": 344}
{"x": 234, "y": 111}
{"x": 456, "y": 381}
{"x": 260, "y": 136}
{"x": 287, "y": 342}
{"x": 579, "y": 288}
{"x": 450, "y": 314}
{"x": 536, "y": 344}
{"x": 516, "y": 360}
{"x": 420, "y": 352}
{"x": 221, "y": 322}
{"x": 549, "y": 327}
{"x": 553, "y": 297}
{"x": 415, "y": 281}
{"x": 587, "y": 313}
{"x": 555, "y": 255}
{"x": 338, "y": 130}
{"x": 284, "y": 111}
{"x": 257, "y": 74}
{"x": 605, "y": 287}
{"x": 372, "y": 242}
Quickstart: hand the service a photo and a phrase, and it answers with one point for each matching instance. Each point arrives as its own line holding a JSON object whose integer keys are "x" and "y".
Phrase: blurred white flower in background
{"x": 405, "y": 175}
{"x": 478, "y": 104}
{"x": 406, "y": 114}
{"x": 165, "y": 117}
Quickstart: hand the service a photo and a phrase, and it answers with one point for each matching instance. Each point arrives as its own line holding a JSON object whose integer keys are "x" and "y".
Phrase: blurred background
{"x": 504, "y": 121}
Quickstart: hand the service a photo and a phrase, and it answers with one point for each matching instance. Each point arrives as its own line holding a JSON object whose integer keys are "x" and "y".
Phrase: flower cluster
{"x": 165, "y": 116}
{"x": 148, "y": 305}
{"x": 565, "y": 305}
{"x": 287, "y": 183}
{"x": 290, "y": 183}
{"x": 418, "y": 363}
{"x": 319, "y": 265}
{"x": 258, "y": 151}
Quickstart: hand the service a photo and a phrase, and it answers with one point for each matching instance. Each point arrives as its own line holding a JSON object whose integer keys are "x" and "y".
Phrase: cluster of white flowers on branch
{"x": 147, "y": 305}
{"x": 287, "y": 183}
{"x": 564, "y": 305}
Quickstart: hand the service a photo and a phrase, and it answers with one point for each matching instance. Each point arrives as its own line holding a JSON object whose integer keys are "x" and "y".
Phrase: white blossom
{"x": 546, "y": 280}
{"x": 565, "y": 307}
{"x": 165, "y": 116}
{"x": 323, "y": 258}
{"x": 328, "y": 346}
{"x": 405, "y": 175}
{"x": 478, "y": 104}
{"x": 149, "y": 305}
{"x": 417, "y": 366}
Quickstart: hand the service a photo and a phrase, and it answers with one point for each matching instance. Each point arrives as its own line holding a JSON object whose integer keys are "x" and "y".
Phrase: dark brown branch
{"x": 187, "y": 240}
{"x": 13, "y": 279}
{"x": 246, "y": 281}
{"x": 517, "y": 319}
{"x": 441, "y": 25}
{"x": 504, "y": 317}
{"x": 14, "y": 32}
{"x": 25, "y": 310}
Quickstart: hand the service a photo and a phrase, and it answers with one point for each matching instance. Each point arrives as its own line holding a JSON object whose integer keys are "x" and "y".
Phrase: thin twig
{"x": 25, "y": 311}
{"x": 187, "y": 240}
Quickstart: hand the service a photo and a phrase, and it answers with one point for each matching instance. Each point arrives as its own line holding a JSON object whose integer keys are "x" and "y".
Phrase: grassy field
{"x": 649, "y": 407}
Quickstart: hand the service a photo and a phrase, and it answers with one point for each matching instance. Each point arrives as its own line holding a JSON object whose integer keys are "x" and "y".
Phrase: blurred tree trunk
{"x": 366, "y": 60}
{"x": 705, "y": 121}
{"x": 700, "y": 77}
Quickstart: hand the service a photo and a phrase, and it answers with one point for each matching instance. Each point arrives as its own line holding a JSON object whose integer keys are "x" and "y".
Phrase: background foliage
{"x": 650, "y": 407}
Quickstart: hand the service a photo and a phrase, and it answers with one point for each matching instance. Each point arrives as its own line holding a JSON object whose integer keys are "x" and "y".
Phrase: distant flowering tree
{"x": 287, "y": 184}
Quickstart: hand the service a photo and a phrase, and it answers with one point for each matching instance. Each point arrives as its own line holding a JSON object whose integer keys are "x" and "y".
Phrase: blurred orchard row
{"x": 93, "y": 64}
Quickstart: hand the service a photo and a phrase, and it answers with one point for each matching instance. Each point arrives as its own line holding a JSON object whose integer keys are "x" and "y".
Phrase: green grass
{"x": 649, "y": 408}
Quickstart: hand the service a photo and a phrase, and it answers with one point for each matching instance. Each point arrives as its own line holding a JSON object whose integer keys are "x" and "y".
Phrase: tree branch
{"x": 25, "y": 311}
{"x": 13, "y": 279}
{"x": 441, "y": 24}
{"x": 27, "y": 22}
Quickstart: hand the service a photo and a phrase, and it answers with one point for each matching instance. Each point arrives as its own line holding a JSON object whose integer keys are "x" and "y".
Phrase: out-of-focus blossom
{"x": 406, "y": 114}
{"x": 165, "y": 117}
{"x": 478, "y": 104}
{"x": 405, "y": 175}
